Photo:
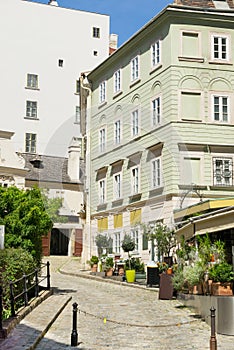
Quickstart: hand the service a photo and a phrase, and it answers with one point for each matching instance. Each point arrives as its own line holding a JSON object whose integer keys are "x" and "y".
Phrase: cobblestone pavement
{"x": 114, "y": 316}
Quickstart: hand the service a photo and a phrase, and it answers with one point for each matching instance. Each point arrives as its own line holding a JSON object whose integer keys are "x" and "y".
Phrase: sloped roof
{"x": 48, "y": 168}
{"x": 203, "y": 3}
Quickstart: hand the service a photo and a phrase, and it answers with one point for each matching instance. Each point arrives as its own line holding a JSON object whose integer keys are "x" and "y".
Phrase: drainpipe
{"x": 87, "y": 229}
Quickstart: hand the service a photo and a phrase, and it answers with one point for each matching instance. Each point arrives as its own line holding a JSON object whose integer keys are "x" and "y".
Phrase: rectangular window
{"x": 190, "y": 44}
{"x": 96, "y": 32}
{"x": 32, "y": 81}
{"x": 156, "y": 173}
{"x": 135, "y": 180}
{"x": 102, "y": 140}
{"x": 156, "y": 111}
{"x": 191, "y": 105}
{"x": 117, "y": 131}
{"x": 117, "y": 242}
{"x": 102, "y": 191}
{"x": 135, "y": 236}
{"x": 102, "y": 92}
{"x": 31, "y": 109}
{"x": 117, "y": 186}
{"x": 60, "y": 63}
{"x": 222, "y": 171}
{"x": 135, "y": 68}
{"x": 191, "y": 171}
{"x": 77, "y": 115}
{"x": 155, "y": 54}
{"x": 135, "y": 123}
{"x": 30, "y": 142}
{"x": 221, "y": 108}
{"x": 220, "y": 47}
{"x": 117, "y": 81}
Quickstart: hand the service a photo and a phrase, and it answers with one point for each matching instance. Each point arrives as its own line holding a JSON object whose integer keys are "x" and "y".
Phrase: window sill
{"x": 135, "y": 197}
{"x": 191, "y": 59}
{"x": 155, "y": 68}
{"x": 116, "y": 94}
{"x": 135, "y": 138}
{"x": 191, "y": 120}
{"x": 222, "y": 187}
{"x": 133, "y": 83}
{"x": 156, "y": 191}
{"x": 222, "y": 62}
{"x": 102, "y": 104}
{"x": 117, "y": 202}
{"x": 102, "y": 206}
{"x": 31, "y": 118}
{"x": 32, "y": 88}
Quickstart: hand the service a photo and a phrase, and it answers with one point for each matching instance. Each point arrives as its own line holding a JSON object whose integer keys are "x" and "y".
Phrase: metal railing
{"x": 29, "y": 282}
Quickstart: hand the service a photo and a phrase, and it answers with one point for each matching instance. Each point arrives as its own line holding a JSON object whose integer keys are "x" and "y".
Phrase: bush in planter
{"x": 128, "y": 245}
{"x": 222, "y": 272}
{"x": 178, "y": 280}
{"x": 136, "y": 264}
{"x": 193, "y": 275}
{"x": 93, "y": 261}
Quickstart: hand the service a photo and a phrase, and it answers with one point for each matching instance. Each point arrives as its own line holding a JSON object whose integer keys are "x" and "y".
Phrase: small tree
{"x": 103, "y": 242}
{"x": 128, "y": 245}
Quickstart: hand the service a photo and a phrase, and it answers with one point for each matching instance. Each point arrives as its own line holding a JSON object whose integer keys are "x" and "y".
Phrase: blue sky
{"x": 126, "y": 16}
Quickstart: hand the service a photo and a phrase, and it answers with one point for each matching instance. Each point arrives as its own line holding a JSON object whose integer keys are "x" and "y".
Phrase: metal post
{"x": 12, "y": 299}
{"x": 25, "y": 291}
{"x": 213, "y": 341}
{"x": 36, "y": 284}
{"x": 48, "y": 275}
{"x": 74, "y": 335}
{"x": 1, "y": 308}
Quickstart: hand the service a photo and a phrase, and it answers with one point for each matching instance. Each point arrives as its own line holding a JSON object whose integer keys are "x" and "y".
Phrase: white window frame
{"x": 135, "y": 122}
{"x": 219, "y": 109}
{"x": 156, "y": 108}
{"x": 117, "y": 186}
{"x": 102, "y": 92}
{"x": 135, "y": 234}
{"x": 135, "y": 179}
{"x": 117, "y": 132}
{"x": 155, "y": 53}
{"x": 117, "y": 81}
{"x": 117, "y": 242}
{"x": 226, "y": 168}
{"x": 156, "y": 172}
{"x": 31, "y": 109}
{"x": 102, "y": 139}
{"x": 30, "y": 142}
{"x": 96, "y": 32}
{"x": 135, "y": 68}
{"x": 32, "y": 81}
{"x": 220, "y": 52}
{"x": 102, "y": 191}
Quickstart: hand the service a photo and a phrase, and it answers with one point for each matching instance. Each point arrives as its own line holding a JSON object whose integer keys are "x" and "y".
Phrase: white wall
{"x": 33, "y": 37}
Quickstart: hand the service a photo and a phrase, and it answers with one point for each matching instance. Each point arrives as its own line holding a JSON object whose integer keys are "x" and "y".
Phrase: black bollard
{"x": 213, "y": 341}
{"x": 74, "y": 335}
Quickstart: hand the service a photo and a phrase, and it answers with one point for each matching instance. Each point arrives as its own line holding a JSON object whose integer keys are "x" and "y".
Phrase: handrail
{"x": 26, "y": 287}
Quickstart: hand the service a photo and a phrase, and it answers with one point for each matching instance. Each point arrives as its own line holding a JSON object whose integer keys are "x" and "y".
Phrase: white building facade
{"x": 44, "y": 48}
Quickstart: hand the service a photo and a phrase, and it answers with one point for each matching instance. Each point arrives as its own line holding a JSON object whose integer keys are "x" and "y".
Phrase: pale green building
{"x": 159, "y": 123}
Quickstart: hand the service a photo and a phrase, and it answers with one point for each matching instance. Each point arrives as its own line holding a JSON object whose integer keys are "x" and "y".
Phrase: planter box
{"x": 218, "y": 288}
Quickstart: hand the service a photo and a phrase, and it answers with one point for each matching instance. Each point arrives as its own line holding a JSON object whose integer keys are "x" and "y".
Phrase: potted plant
{"x": 108, "y": 266}
{"x": 222, "y": 277}
{"x": 128, "y": 245}
{"x": 193, "y": 276}
{"x": 93, "y": 262}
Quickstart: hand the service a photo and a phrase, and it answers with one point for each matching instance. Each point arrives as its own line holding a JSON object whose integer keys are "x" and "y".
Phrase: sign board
{"x": 2, "y": 234}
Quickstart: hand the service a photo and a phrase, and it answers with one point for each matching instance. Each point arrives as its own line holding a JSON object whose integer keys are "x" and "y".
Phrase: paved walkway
{"x": 111, "y": 316}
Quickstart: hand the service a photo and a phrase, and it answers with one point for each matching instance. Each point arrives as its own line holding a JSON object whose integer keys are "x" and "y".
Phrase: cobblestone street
{"x": 111, "y": 316}
{"x": 118, "y": 317}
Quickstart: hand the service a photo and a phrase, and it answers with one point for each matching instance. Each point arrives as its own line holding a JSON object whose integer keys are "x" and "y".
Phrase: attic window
{"x": 37, "y": 163}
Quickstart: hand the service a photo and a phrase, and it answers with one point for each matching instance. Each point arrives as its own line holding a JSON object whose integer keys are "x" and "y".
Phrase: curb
{"x": 10, "y": 324}
{"x": 108, "y": 280}
{"x": 45, "y": 330}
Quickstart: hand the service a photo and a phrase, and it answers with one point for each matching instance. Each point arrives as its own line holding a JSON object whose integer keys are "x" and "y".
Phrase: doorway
{"x": 59, "y": 242}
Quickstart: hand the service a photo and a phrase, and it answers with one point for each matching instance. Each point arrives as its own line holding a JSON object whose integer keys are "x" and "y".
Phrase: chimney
{"x": 113, "y": 43}
{"x": 53, "y": 3}
{"x": 74, "y": 152}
